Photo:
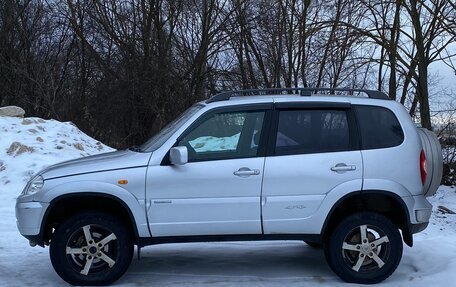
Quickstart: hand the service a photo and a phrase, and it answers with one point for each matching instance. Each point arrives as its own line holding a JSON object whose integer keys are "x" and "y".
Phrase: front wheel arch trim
{"x": 39, "y": 238}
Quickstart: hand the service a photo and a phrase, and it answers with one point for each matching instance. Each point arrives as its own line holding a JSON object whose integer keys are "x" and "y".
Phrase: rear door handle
{"x": 342, "y": 167}
{"x": 245, "y": 172}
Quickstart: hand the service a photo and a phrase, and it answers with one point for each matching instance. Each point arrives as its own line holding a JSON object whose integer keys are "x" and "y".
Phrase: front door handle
{"x": 245, "y": 172}
{"x": 342, "y": 167}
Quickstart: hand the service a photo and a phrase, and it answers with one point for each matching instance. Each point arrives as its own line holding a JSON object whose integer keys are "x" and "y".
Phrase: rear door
{"x": 313, "y": 149}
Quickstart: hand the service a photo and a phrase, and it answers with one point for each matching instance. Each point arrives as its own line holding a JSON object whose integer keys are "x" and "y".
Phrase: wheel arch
{"x": 384, "y": 202}
{"x": 65, "y": 206}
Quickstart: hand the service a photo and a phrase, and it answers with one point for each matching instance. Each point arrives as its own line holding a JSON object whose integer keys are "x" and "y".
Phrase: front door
{"x": 218, "y": 191}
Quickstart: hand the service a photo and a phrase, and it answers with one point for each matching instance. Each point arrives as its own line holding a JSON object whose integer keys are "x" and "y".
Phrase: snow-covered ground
{"x": 210, "y": 143}
{"x": 431, "y": 262}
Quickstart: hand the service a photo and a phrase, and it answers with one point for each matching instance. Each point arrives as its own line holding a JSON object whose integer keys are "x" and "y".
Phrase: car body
{"x": 273, "y": 166}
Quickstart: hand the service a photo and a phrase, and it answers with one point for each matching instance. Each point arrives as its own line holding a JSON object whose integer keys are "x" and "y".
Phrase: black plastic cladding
{"x": 294, "y": 91}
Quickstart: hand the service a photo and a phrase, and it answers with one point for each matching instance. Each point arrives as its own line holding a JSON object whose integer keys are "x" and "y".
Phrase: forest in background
{"x": 121, "y": 69}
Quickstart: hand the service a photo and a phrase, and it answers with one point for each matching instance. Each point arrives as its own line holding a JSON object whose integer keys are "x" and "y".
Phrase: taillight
{"x": 423, "y": 167}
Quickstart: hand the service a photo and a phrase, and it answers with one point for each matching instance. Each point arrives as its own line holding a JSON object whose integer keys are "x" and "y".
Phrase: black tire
{"x": 343, "y": 258}
{"x": 314, "y": 245}
{"x": 109, "y": 242}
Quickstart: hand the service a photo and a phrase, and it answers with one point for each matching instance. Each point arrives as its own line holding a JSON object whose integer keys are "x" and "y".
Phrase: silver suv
{"x": 343, "y": 172}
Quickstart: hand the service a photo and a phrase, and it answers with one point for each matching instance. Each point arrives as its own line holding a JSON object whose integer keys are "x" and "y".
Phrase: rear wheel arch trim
{"x": 57, "y": 199}
{"x": 407, "y": 233}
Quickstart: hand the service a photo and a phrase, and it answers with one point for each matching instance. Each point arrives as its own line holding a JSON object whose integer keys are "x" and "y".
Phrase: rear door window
{"x": 379, "y": 127}
{"x": 312, "y": 131}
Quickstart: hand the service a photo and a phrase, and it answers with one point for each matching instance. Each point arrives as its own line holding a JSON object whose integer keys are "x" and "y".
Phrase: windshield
{"x": 157, "y": 140}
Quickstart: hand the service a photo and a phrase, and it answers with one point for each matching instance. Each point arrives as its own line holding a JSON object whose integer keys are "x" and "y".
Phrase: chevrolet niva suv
{"x": 343, "y": 172}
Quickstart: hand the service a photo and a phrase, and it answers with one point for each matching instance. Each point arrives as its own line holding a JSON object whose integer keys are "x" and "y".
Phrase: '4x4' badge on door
{"x": 295, "y": 207}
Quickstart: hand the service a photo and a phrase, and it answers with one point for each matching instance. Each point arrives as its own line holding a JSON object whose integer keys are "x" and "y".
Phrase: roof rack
{"x": 373, "y": 94}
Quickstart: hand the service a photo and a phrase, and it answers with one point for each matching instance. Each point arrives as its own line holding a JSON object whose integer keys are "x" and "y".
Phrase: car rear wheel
{"x": 91, "y": 249}
{"x": 364, "y": 248}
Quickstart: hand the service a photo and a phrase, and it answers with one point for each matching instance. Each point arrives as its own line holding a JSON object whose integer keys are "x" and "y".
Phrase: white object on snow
{"x": 12, "y": 111}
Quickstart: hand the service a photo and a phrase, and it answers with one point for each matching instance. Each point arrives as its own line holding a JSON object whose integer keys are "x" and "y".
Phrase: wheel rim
{"x": 92, "y": 249}
{"x": 366, "y": 248}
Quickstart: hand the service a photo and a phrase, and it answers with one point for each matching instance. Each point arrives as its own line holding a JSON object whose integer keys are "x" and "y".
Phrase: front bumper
{"x": 29, "y": 216}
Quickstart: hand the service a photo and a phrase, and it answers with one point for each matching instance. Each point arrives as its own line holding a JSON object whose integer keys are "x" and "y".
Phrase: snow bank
{"x": 30, "y": 144}
{"x": 27, "y": 146}
{"x": 210, "y": 143}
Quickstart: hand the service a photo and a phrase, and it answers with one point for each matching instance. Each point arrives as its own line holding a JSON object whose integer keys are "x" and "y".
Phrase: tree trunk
{"x": 422, "y": 90}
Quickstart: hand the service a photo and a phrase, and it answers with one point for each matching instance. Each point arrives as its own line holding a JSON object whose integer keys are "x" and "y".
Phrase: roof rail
{"x": 373, "y": 94}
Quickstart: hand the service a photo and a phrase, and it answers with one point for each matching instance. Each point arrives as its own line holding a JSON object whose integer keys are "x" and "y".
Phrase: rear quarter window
{"x": 379, "y": 127}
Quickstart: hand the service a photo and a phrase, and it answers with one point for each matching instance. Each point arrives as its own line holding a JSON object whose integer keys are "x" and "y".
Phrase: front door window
{"x": 227, "y": 135}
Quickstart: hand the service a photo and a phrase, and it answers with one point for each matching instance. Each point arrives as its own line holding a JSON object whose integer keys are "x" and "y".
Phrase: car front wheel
{"x": 364, "y": 248}
{"x": 91, "y": 249}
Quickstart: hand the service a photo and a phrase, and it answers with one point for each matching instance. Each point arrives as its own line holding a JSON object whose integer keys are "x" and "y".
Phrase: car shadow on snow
{"x": 228, "y": 263}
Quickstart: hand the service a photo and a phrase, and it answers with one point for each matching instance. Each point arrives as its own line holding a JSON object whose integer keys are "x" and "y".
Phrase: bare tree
{"x": 122, "y": 69}
{"x": 416, "y": 34}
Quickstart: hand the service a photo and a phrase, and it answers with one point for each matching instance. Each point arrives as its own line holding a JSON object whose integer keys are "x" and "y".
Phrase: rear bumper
{"x": 415, "y": 228}
{"x": 419, "y": 210}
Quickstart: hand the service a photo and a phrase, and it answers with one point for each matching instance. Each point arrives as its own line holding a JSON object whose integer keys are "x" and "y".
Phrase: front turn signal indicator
{"x": 122, "y": 181}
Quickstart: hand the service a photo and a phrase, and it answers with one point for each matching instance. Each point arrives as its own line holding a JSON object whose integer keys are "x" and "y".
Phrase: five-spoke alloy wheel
{"x": 91, "y": 249}
{"x": 364, "y": 248}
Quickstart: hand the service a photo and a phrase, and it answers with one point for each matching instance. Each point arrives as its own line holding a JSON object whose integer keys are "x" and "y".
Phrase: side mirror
{"x": 178, "y": 155}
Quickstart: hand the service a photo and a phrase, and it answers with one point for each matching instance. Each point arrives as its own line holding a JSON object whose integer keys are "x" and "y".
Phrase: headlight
{"x": 34, "y": 185}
